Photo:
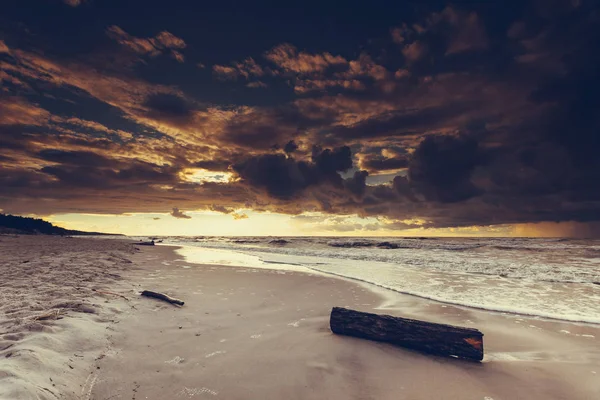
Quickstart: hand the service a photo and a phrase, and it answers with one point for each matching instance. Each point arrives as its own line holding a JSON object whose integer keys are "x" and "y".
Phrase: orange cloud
{"x": 246, "y": 69}
{"x": 414, "y": 51}
{"x": 17, "y": 111}
{"x": 289, "y": 59}
{"x": 364, "y": 66}
{"x": 164, "y": 42}
{"x": 308, "y": 85}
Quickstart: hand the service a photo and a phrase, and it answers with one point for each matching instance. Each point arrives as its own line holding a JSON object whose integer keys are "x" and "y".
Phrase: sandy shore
{"x": 53, "y": 323}
{"x": 252, "y": 334}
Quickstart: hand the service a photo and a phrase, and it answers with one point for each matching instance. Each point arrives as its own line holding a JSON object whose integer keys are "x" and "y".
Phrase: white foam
{"x": 544, "y": 278}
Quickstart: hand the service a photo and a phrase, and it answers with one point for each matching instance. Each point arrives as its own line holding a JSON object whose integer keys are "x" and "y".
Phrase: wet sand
{"x": 253, "y": 333}
{"x": 249, "y": 333}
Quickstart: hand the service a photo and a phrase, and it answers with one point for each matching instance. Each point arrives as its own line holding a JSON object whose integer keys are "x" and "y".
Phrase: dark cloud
{"x": 290, "y": 147}
{"x": 163, "y": 42}
{"x": 470, "y": 114}
{"x": 404, "y": 122}
{"x": 374, "y": 163}
{"x": 279, "y": 175}
{"x": 75, "y": 158}
{"x": 221, "y": 209}
{"x": 357, "y": 184}
{"x": 441, "y": 167}
{"x": 284, "y": 177}
{"x": 168, "y": 104}
{"x": 213, "y": 165}
{"x": 176, "y": 213}
{"x": 330, "y": 161}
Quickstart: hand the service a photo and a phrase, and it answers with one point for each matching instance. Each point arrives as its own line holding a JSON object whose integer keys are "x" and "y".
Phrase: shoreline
{"x": 257, "y": 333}
{"x": 390, "y": 295}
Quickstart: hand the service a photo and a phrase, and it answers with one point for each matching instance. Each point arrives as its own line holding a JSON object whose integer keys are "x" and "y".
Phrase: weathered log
{"x": 161, "y": 296}
{"x": 428, "y": 337}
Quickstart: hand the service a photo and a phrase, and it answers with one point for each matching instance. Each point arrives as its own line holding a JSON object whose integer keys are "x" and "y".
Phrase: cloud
{"x": 73, "y": 3}
{"x": 309, "y": 85}
{"x": 220, "y": 208}
{"x": 468, "y": 32}
{"x": 18, "y": 111}
{"x": 176, "y": 213}
{"x": 441, "y": 167}
{"x": 399, "y": 34}
{"x": 357, "y": 184}
{"x": 479, "y": 126}
{"x": 168, "y": 107}
{"x": 284, "y": 177}
{"x": 239, "y": 216}
{"x": 245, "y": 69}
{"x": 460, "y": 31}
{"x": 225, "y": 72}
{"x": 377, "y": 163}
{"x": 364, "y": 66}
{"x": 178, "y": 56}
{"x": 414, "y": 51}
{"x": 3, "y": 47}
{"x": 163, "y": 43}
{"x": 290, "y": 147}
{"x": 288, "y": 58}
{"x": 256, "y": 84}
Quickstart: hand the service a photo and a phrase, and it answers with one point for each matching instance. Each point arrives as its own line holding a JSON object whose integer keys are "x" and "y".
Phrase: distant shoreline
{"x": 16, "y": 225}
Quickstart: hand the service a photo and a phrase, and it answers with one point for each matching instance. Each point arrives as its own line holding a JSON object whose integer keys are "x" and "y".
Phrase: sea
{"x": 547, "y": 278}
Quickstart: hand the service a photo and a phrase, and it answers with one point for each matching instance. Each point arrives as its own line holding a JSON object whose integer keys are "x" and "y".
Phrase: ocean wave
{"x": 403, "y": 244}
{"x": 539, "y": 260}
{"x": 351, "y": 243}
{"x": 279, "y": 242}
{"x": 517, "y": 308}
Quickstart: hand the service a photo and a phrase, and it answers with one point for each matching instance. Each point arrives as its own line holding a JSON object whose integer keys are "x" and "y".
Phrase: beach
{"x": 248, "y": 333}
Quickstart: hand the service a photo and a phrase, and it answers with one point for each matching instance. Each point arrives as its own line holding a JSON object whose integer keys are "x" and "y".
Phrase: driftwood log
{"x": 163, "y": 297}
{"x": 428, "y": 337}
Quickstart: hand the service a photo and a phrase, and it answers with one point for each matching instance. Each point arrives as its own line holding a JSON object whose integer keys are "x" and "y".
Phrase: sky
{"x": 463, "y": 118}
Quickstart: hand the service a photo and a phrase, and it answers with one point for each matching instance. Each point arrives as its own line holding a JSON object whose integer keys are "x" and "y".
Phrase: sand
{"x": 255, "y": 334}
{"x": 52, "y": 322}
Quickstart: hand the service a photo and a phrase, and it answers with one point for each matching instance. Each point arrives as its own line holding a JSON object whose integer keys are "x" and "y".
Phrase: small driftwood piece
{"x": 53, "y": 314}
{"x": 112, "y": 293}
{"x": 163, "y": 297}
{"x": 427, "y": 337}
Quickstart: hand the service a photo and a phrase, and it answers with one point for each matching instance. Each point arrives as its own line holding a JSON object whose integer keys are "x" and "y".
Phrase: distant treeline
{"x": 33, "y": 226}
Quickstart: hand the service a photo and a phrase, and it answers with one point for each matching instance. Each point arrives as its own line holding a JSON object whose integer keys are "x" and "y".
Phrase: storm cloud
{"x": 452, "y": 115}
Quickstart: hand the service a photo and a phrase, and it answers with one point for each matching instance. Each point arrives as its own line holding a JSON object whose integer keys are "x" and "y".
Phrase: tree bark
{"x": 161, "y": 296}
{"x": 428, "y": 337}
